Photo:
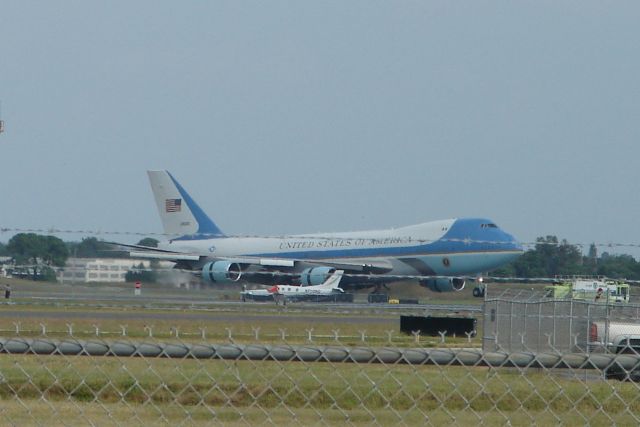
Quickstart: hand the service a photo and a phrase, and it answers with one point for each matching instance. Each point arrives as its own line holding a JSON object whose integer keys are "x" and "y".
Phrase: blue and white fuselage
{"x": 448, "y": 248}
{"x": 445, "y": 247}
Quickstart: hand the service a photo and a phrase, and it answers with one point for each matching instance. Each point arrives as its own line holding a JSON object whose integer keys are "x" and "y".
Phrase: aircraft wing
{"x": 364, "y": 265}
{"x": 353, "y": 265}
{"x": 148, "y": 252}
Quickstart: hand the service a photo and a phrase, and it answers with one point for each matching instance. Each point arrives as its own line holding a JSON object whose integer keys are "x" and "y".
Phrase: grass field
{"x": 147, "y": 390}
{"x": 81, "y": 390}
{"x": 242, "y": 329}
{"x": 162, "y": 320}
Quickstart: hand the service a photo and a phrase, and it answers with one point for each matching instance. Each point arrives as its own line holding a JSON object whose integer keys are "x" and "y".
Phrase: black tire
{"x": 617, "y": 372}
{"x": 476, "y": 292}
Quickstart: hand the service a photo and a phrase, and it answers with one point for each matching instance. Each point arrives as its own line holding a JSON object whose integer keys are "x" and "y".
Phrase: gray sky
{"x": 294, "y": 117}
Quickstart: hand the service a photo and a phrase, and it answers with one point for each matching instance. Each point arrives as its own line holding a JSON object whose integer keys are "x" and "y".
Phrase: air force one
{"x": 439, "y": 254}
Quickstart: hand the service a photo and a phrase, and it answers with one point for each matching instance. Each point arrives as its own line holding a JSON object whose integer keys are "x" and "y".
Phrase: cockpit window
{"x": 488, "y": 225}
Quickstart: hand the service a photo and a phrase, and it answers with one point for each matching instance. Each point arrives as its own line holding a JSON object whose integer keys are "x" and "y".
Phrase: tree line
{"x": 39, "y": 255}
{"x": 550, "y": 257}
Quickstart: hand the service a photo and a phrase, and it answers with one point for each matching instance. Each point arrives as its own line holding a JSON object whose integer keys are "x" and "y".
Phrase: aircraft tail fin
{"x": 180, "y": 214}
{"x": 333, "y": 281}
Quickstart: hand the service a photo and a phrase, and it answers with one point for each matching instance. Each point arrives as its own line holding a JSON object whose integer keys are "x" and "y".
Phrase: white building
{"x": 87, "y": 270}
{"x": 4, "y": 260}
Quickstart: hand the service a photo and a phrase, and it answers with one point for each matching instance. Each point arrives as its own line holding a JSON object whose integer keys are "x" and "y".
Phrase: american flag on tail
{"x": 173, "y": 205}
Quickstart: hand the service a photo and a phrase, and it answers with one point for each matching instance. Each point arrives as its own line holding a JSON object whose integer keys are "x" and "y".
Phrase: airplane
{"x": 257, "y": 295}
{"x": 326, "y": 290}
{"x": 439, "y": 254}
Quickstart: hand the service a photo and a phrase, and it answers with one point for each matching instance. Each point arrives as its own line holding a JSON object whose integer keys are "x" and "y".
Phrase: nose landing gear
{"x": 480, "y": 288}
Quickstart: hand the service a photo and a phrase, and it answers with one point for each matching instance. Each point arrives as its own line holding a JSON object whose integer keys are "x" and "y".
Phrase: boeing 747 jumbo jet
{"x": 439, "y": 254}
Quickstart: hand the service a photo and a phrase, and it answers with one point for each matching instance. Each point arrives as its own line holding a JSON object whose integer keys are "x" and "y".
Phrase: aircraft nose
{"x": 513, "y": 243}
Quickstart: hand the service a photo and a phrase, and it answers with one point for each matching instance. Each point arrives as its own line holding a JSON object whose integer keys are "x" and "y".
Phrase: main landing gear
{"x": 379, "y": 289}
{"x": 478, "y": 291}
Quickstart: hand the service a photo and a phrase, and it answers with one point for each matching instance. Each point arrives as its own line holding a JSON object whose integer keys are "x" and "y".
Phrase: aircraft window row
{"x": 488, "y": 226}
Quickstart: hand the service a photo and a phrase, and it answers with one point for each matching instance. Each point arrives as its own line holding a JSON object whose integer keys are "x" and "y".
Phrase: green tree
{"x": 549, "y": 258}
{"x": 39, "y": 251}
{"x": 55, "y": 251}
{"x": 90, "y": 247}
{"x": 590, "y": 262}
{"x": 618, "y": 267}
{"x": 35, "y": 249}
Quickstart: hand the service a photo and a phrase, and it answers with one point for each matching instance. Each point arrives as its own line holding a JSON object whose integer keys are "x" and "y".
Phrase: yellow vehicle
{"x": 560, "y": 291}
{"x": 597, "y": 290}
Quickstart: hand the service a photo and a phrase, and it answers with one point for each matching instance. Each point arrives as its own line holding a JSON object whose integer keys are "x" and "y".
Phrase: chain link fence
{"x": 124, "y": 378}
{"x": 529, "y": 321}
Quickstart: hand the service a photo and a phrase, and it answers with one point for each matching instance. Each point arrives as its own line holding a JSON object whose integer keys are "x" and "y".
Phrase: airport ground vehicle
{"x": 616, "y": 337}
{"x": 594, "y": 289}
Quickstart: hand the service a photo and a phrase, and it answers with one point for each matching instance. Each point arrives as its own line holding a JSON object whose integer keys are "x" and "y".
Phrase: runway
{"x": 30, "y": 300}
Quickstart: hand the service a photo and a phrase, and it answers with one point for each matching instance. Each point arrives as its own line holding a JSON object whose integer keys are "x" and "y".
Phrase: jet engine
{"x": 221, "y": 271}
{"x": 315, "y": 275}
{"x": 448, "y": 284}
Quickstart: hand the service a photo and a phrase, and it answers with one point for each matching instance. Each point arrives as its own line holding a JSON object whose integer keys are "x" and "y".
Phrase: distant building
{"x": 86, "y": 270}
{"x": 4, "y": 260}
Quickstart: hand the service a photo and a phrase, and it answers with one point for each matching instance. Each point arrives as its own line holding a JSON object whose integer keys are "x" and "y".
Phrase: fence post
{"x": 522, "y": 334}
{"x": 540, "y": 328}
{"x": 469, "y": 335}
{"x": 548, "y": 340}
{"x": 174, "y": 329}
{"x": 389, "y": 335}
{"x": 575, "y": 342}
